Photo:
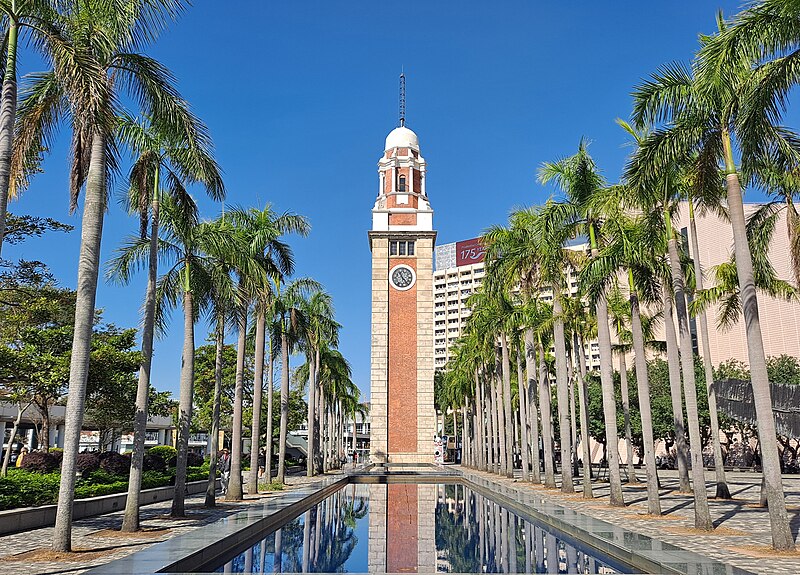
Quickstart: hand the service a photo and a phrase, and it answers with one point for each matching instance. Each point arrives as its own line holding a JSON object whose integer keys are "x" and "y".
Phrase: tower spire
{"x": 402, "y": 99}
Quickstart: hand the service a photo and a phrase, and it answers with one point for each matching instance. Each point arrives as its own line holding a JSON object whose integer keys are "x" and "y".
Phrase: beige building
{"x": 780, "y": 320}
{"x": 458, "y": 273}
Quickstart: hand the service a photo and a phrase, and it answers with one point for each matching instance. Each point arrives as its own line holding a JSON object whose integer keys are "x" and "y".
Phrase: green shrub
{"x": 40, "y": 462}
{"x": 115, "y": 463}
{"x": 274, "y": 486}
{"x": 151, "y": 479}
{"x": 93, "y": 490}
{"x": 153, "y": 463}
{"x": 25, "y": 489}
{"x": 197, "y": 473}
{"x": 165, "y": 452}
{"x": 101, "y": 476}
{"x": 87, "y": 462}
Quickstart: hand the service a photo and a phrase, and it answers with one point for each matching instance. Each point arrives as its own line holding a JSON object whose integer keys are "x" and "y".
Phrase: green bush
{"x": 25, "y": 489}
{"x": 165, "y": 452}
{"x": 274, "y": 486}
{"x": 96, "y": 490}
{"x": 151, "y": 479}
{"x": 101, "y": 476}
{"x": 40, "y": 462}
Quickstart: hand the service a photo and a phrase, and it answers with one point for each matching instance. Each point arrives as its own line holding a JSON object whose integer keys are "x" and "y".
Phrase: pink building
{"x": 780, "y": 319}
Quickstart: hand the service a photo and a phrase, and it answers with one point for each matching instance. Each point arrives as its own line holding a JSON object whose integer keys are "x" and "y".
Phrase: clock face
{"x": 402, "y": 277}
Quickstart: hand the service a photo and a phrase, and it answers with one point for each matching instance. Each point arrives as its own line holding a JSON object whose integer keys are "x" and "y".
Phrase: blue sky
{"x": 299, "y": 97}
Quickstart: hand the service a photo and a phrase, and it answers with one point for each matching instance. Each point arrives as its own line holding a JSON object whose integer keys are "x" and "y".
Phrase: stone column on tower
{"x": 402, "y": 240}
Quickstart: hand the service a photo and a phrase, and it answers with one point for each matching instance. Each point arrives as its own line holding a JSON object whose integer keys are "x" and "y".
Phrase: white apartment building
{"x": 458, "y": 273}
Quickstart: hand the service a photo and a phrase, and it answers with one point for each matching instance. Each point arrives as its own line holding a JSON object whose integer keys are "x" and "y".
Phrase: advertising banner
{"x": 469, "y": 252}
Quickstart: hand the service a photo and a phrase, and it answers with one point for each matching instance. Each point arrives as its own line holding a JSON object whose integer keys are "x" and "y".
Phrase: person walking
{"x": 262, "y": 462}
{"x": 225, "y": 469}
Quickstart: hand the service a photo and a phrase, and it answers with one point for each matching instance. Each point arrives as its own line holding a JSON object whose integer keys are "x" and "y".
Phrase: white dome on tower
{"x": 402, "y": 137}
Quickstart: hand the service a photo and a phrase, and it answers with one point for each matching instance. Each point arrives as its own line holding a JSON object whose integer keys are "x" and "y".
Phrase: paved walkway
{"x": 742, "y": 537}
{"x": 97, "y": 542}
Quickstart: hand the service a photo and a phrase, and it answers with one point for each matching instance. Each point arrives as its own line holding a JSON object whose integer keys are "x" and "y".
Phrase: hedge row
{"x": 22, "y": 488}
{"x": 159, "y": 458}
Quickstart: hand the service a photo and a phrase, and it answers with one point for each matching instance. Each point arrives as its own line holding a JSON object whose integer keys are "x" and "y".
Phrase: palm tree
{"x": 290, "y": 328}
{"x": 630, "y": 251}
{"x": 579, "y": 323}
{"x": 619, "y": 313}
{"x": 578, "y": 178}
{"x": 666, "y": 201}
{"x": 37, "y": 17}
{"x": 266, "y": 260}
{"x": 221, "y": 307}
{"x": 193, "y": 248}
{"x": 704, "y": 114}
{"x": 322, "y": 331}
{"x": 103, "y": 59}
{"x": 182, "y": 153}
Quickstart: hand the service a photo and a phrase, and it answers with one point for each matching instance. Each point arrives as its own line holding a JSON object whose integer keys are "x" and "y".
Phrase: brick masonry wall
{"x": 402, "y": 364}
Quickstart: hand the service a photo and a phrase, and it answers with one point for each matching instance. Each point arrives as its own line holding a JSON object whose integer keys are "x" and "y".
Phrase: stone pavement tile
{"x": 746, "y": 524}
{"x": 91, "y": 534}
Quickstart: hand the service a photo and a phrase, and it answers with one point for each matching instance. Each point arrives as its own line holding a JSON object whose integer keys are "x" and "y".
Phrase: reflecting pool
{"x": 411, "y": 528}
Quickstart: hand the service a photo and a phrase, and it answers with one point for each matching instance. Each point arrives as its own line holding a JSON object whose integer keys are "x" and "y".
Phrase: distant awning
{"x": 735, "y": 399}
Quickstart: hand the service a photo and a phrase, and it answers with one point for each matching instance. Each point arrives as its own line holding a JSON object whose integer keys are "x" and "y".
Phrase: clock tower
{"x": 401, "y": 240}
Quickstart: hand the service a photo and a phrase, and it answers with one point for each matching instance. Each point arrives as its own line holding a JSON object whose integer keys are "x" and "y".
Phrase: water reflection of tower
{"x": 402, "y": 528}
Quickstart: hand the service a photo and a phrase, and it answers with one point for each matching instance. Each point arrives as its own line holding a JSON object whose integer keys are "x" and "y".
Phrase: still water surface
{"x": 415, "y": 528}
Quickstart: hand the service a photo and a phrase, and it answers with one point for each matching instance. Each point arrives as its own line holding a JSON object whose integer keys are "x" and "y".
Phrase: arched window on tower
{"x": 401, "y": 185}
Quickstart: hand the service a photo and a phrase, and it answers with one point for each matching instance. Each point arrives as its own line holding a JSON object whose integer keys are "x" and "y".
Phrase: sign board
{"x": 469, "y": 252}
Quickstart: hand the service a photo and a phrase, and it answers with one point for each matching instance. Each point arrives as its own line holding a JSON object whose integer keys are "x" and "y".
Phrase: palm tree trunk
{"x": 562, "y": 392}
{"x": 782, "y": 539}
{"x": 130, "y": 521}
{"x": 583, "y": 409}
{"x": 281, "y": 476}
{"x": 702, "y": 515}
{"x": 719, "y": 465}
{"x": 211, "y": 488}
{"x": 533, "y": 413}
{"x": 491, "y": 420}
{"x": 676, "y": 393}
{"x": 323, "y": 432}
{"x": 500, "y": 423}
{"x": 258, "y": 388}
{"x": 609, "y": 403}
{"x": 185, "y": 400}
{"x": 523, "y": 413}
{"x": 507, "y": 411}
{"x": 317, "y": 412}
{"x": 235, "y": 492}
{"x": 270, "y": 395}
{"x": 8, "y": 113}
{"x": 643, "y": 387}
{"x": 312, "y": 398}
{"x": 573, "y": 427}
{"x": 626, "y": 413}
{"x": 465, "y": 448}
{"x": 94, "y": 208}
{"x": 481, "y": 439}
{"x": 547, "y": 425}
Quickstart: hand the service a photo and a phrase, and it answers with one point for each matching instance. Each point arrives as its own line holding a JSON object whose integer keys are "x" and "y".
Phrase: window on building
{"x": 398, "y": 248}
{"x": 401, "y": 185}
